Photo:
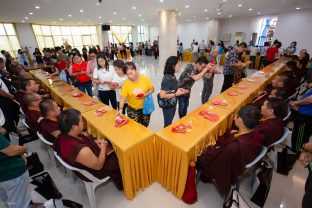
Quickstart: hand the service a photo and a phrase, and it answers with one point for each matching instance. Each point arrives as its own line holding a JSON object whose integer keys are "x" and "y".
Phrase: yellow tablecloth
{"x": 187, "y": 56}
{"x": 128, "y": 55}
{"x": 63, "y": 95}
{"x": 176, "y": 150}
{"x": 134, "y": 146}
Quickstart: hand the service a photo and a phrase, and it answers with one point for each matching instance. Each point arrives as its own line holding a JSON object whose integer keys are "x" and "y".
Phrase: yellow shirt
{"x": 131, "y": 89}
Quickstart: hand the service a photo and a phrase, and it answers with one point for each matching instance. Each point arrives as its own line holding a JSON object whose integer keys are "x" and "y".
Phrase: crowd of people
{"x": 120, "y": 85}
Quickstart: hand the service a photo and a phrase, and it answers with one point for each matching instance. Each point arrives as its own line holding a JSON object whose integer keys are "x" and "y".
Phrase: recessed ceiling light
{"x": 298, "y": 8}
{"x": 100, "y": 17}
{"x": 140, "y": 15}
{"x": 81, "y": 10}
{"x": 219, "y": 13}
{"x": 230, "y": 16}
{"x": 97, "y": 4}
{"x": 239, "y": 5}
{"x": 258, "y": 12}
{"x": 161, "y": 1}
{"x": 114, "y": 13}
{"x": 207, "y": 18}
{"x": 180, "y": 14}
{"x": 134, "y": 8}
{"x": 187, "y": 6}
{"x": 30, "y": 13}
{"x": 69, "y": 15}
{"x": 250, "y": 9}
{"x": 22, "y": 21}
{"x": 37, "y": 7}
{"x": 224, "y": 0}
{"x": 26, "y": 17}
{"x": 205, "y": 10}
{"x": 61, "y": 19}
{"x": 123, "y": 18}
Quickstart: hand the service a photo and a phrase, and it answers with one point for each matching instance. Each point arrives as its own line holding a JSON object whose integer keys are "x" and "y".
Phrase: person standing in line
{"x": 202, "y": 48}
{"x": 169, "y": 87}
{"x": 263, "y": 52}
{"x": 103, "y": 76}
{"x": 231, "y": 64}
{"x": 155, "y": 49}
{"x": 195, "y": 51}
{"x": 191, "y": 73}
{"x": 134, "y": 90}
{"x": 220, "y": 52}
{"x": 209, "y": 76}
{"x": 180, "y": 51}
{"x": 118, "y": 79}
{"x": 79, "y": 70}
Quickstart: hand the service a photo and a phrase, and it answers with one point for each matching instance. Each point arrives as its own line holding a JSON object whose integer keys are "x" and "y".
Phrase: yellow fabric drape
{"x": 121, "y": 37}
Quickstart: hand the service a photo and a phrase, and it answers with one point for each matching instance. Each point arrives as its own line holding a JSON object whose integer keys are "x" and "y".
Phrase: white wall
{"x": 295, "y": 26}
{"x": 26, "y": 36}
{"x": 186, "y": 32}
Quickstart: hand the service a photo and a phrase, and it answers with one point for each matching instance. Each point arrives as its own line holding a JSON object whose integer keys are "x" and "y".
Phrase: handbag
{"x": 167, "y": 102}
{"x": 236, "y": 200}
{"x": 148, "y": 105}
{"x": 285, "y": 160}
{"x": 46, "y": 186}
{"x": 265, "y": 178}
{"x": 34, "y": 164}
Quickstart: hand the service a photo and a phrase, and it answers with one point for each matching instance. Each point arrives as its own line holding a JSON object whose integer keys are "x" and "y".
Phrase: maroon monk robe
{"x": 271, "y": 129}
{"x": 31, "y": 117}
{"x": 19, "y": 97}
{"x": 225, "y": 163}
{"x": 46, "y": 127}
{"x": 260, "y": 101}
{"x": 68, "y": 148}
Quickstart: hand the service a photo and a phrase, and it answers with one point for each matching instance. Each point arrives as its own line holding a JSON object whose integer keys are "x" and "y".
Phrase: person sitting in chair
{"x": 48, "y": 126}
{"x": 225, "y": 161}
{"x": 33, "y": 115}
{"x": 271, "y": 125}
{"x": 84, "y": 152}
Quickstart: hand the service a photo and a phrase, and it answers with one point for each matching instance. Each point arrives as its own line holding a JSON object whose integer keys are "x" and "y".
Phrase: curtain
{"x": 121, "y": 37}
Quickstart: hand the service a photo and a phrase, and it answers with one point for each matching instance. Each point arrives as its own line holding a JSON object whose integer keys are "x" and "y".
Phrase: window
{"x": 76, "y": 36}
{"x": 267, "y": 31}
{"x": 142, "y": 33}
{"x": 123, "y": 33}
{"x": 8, "y": 39}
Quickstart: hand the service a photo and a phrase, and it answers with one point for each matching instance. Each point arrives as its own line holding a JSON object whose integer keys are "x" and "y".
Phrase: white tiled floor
{"x": 286, "y": 191}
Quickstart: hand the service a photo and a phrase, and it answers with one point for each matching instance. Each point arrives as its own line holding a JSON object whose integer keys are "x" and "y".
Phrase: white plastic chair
{"x": 24, "y": 122}
{"x": 48, "y": 145}
{"x": 90, "y": 186}
{"x": 282, "y": 139}
{"x": 288, "y": 114}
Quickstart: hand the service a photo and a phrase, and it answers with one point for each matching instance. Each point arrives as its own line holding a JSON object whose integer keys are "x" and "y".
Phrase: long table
{"x": 133, "y": 143}
{"x": 176, "y": 151}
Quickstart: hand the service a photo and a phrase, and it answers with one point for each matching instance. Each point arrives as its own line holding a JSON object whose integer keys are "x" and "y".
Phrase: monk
{"x": 32, "y": 115}
{"x": 225, "y": 161}
{"x": 271, "y": 125}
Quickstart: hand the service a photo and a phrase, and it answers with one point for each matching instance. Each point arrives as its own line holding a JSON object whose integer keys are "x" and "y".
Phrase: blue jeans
{"x": 15, "y": 192}
{"x": 195, "y": 56}
{"x": 183, "y": 105}
{"x": 168, "y": 115}
{"x": 86, "y": 86}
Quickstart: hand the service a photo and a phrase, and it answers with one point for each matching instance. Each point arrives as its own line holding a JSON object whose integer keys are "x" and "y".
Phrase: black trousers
{"x": 228, "y": 82}
{"x": 108, "y": 96}
{"x": 301, "y": 132}
{"x": 11, "y": 113}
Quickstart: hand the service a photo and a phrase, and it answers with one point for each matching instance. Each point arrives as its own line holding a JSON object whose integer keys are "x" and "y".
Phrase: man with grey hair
{"x": 208, "y": 77}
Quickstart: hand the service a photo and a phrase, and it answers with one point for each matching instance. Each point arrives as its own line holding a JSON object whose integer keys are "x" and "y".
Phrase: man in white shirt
{"x": 202, "y": 48}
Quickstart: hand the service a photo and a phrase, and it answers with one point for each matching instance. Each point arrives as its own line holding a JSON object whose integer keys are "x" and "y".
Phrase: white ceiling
{"x": 51, "y": 11}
